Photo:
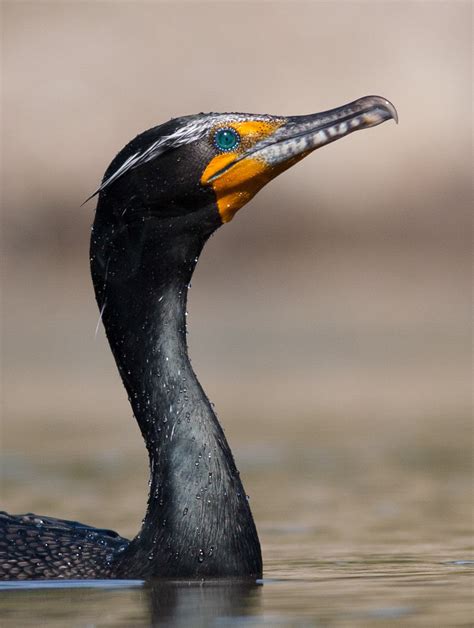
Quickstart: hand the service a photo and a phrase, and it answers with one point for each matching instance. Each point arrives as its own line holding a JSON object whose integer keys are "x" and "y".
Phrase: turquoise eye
{"x": 226, "y": 139}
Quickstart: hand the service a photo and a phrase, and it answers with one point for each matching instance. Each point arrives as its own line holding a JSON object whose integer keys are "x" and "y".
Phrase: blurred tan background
{"x": 332, "y": 315}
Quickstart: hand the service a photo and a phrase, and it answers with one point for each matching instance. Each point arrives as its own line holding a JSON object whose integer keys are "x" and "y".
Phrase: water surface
{"x": 355, "y": 531}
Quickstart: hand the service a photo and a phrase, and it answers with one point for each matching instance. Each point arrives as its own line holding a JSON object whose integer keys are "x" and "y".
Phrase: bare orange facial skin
{"x": 241, "y": 182}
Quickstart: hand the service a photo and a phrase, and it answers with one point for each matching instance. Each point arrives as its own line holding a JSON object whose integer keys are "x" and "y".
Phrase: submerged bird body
{"x": 161, "y": 198}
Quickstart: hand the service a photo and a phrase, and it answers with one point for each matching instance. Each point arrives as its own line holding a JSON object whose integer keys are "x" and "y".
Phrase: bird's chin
{"x": 235, "y": 187}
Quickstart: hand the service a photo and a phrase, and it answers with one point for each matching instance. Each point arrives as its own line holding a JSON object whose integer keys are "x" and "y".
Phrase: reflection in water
{"x": 201, "y": 603}
{"x": 127, "y": 603}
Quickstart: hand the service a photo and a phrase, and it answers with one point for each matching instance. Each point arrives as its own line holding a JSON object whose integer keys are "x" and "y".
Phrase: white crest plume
{"x": 192, "y": 128}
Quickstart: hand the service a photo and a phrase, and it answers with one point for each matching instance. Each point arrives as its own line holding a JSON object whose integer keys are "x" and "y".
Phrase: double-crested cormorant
{"x": 161, "y": 198}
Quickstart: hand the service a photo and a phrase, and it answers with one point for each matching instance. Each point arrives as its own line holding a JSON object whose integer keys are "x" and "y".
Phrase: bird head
{"x": 213, "y": 164}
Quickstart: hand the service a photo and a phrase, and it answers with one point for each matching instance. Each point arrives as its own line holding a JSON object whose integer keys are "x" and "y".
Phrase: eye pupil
{"x": 226, "y": 139}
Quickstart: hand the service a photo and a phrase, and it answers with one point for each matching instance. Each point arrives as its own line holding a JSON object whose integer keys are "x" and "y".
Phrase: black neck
{"x": 198, "y": 522}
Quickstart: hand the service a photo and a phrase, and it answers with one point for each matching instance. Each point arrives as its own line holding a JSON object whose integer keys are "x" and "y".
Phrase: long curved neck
{"x": 198, "y": 521}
